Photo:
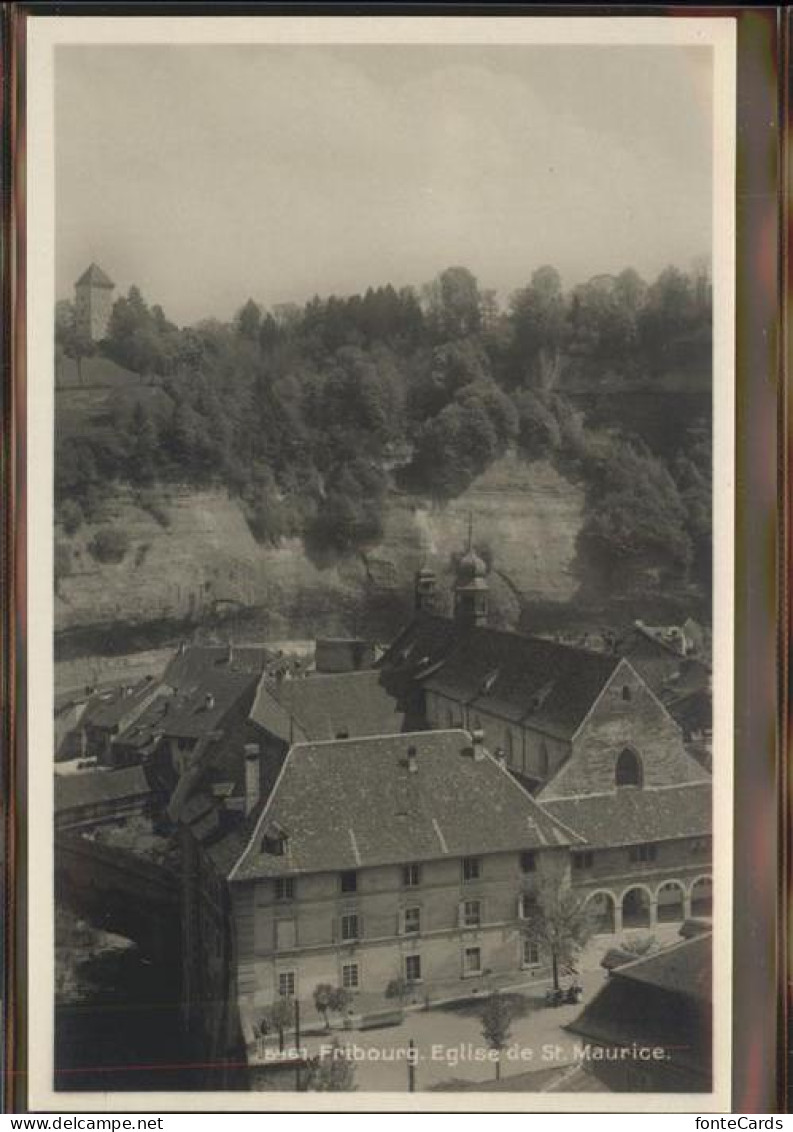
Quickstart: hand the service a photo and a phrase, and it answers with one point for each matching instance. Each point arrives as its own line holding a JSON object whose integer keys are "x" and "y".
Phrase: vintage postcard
{"x": 380, "y": 404}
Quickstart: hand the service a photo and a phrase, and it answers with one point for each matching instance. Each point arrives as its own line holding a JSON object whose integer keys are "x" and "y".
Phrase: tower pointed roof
{"x": 94, "y": 276}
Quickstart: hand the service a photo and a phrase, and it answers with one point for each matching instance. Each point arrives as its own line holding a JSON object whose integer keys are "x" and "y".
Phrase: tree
{"x": 334, "y": 1073}
{"x": 539, "y": 320}
{"x": 109, "y": 545}
{"x": 323, "y": 1000}
{"x": 497, "y": 1016}
{"x": 71, "y": 516}
{"x": 62, "y": 565}
{"x": 560, "y": 923}
{"x": 280, "y": 1016}
{"x": 453, "y": 303}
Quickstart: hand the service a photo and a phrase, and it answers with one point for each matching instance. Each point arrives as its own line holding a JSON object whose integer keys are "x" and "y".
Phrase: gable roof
{"x": 630, "y": 817}
{"x": 663, "y": 1000}
{"x": 355, "y": 803}
{"x": 338, "y": 705}
{"x": 192, "y": 662}
{"x": 92, "y": 787}
{"x": 684, "y": 968}
{"x": 525, "y": 679}
{"x": 108, "y": 709}
{"x": 198, "y": 710}
{"x": 94, "y": 276}
{"x": 423, "y": 642}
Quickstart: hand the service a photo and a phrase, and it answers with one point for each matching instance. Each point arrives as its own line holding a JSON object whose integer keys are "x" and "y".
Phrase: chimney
{"x": 501, "y": 757}
{"x": 209, "y": 701}
{"x": 413, "y": 761}
{"x": 478, "y": 738}
{"x": 252, "y": 776}
{"x": 230, "y": 653}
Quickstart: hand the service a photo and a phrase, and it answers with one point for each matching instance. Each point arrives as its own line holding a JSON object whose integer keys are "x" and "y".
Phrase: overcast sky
{"x": 208, "y": 175}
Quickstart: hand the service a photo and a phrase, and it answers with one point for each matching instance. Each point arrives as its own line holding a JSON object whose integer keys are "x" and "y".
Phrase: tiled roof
{"x": 94, "y": 276}
{"x": 190, "y": 664}
{"x": 355, "y": 803}
{"x": 669, "y": 1006}
{"x": 93, "y": 787}
{"x": 629, "y": 817}
{"x": 339, "y": 705}
{"x": 420, "y": 645}
{"x": 108, "y": 709}
{"x": 197, "y": 710}
{"x": 547, "y": 685}
{"x": 685, "y": 968}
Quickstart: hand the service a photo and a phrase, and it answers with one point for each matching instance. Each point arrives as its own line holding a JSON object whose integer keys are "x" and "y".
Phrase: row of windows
{"x": 351, "y": 972}
{"x": 285, "y": 887}
{"x": 350, "y": 926}
{"x": 638, "y": 854}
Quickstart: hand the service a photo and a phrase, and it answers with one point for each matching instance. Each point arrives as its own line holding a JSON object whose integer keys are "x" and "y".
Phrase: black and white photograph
{"x": 381, "y": 402}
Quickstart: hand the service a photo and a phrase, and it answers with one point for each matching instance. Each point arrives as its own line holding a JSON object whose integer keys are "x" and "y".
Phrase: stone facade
{"x": 290, "y": 942}
{"x": 93, "y": 303}
{"x": 625, "y": 715}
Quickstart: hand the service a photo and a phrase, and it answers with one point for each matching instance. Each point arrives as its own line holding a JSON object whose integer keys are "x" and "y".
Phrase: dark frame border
{"x": 759, "y": 983}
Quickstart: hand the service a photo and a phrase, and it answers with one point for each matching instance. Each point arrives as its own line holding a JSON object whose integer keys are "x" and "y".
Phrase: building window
{"x": 471, "y": 868}
{"x": 286, "y": 984}
{"x": 528, "y": 861}
{"x": 349, "y": 881}
{"x": 412, "y": 919}
{"x": 531, "y": 954}
{"x": 349, "y": 926}
{"x": 472, "y": 913}
{"x": 411, "y": 876}
{"x": 472, "y": 961}
{"x": 349, "y": 976}
{"x": 528, "y": 905}
{"x": 642, "y": 853}
{"x": 628, "y": 771}
{"x": 285, "y": 888}
{"x": 626, "y": 692}
{"x": 583, "y": 860}
{"x": 413, "y": 968}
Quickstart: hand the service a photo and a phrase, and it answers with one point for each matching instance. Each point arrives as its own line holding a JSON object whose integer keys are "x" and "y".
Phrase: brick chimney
{"x": 252, "y": 776}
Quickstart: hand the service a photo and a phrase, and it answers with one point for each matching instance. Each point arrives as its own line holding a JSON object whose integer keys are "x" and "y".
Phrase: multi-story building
{"x": 589, "y": 737}
{"x": 404, "y": 857}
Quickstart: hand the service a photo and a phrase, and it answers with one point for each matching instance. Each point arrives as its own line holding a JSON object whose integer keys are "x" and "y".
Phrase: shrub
{"x": 71, "y": 516}
{"x": 149, "y": 501}
{"x": 109, "y": 545}
{"x": 62, "y": 564}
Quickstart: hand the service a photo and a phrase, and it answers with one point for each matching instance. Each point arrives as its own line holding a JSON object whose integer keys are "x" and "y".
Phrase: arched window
{"x": 629, "y": 769}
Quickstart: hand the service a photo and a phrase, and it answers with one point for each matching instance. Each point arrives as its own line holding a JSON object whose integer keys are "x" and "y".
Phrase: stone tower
{"x": 471, "y": 589}
{"x": 93, "y": 302}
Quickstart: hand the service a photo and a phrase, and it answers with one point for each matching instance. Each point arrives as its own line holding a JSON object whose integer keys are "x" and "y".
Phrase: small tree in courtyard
{"x": 323, "y": 1000}
{"x": 340, "y": 999}
{"x": 280, "y": 1016}
{"x": 560, "y": 924}
{"x": 332, "y": 1074}
{"x": 497, "y": 1018}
